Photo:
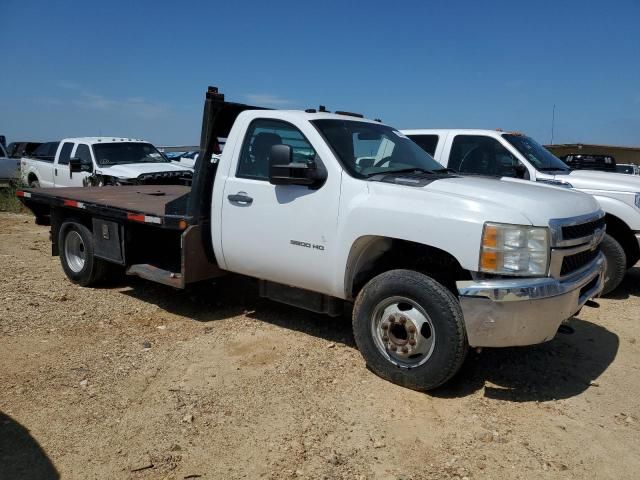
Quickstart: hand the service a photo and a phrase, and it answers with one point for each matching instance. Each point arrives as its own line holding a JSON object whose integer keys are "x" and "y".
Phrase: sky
{"x": 140, "y": 68}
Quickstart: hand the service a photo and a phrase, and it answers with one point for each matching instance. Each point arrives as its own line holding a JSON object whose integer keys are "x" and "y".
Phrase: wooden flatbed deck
{"x": 124, "y": 202}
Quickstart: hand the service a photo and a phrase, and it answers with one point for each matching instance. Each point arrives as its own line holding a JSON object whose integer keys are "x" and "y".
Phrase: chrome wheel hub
{"x": 74, "y": 251}
{"x": 403, "y": 332}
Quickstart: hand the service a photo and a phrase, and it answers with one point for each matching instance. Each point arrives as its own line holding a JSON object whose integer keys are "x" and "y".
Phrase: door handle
{"x": 55, "y": 171}
{"x": 241, "y": 197}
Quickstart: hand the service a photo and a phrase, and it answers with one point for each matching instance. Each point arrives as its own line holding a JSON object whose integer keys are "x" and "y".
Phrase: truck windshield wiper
{"x": 406, "y": 170}
{"x": 553, "y": 169}
{"x": 445, "y": 170}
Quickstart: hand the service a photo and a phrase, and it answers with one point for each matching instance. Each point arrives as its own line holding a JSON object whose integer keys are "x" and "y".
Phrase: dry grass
{"x": 8, "y": 200}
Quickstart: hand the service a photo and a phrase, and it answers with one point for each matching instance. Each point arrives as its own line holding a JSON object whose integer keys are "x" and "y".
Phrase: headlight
{"x": 638, "y": 200}
{"x": 514, "y": 250}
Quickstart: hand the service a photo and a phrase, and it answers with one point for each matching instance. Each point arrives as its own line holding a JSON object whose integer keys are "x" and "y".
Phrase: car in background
{"x": 22, "y": 149}
{"x": 9, "y": 167}
{"x": 628, "y": 168}
{"x": 188, "y": 159}
{"x": 588, "y": 161}
{"x": 173, "y": 156}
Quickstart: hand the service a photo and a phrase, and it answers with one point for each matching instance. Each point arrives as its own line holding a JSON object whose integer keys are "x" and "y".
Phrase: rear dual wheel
{"x": 77, "y": 257}
{"x": 410, "y": 329}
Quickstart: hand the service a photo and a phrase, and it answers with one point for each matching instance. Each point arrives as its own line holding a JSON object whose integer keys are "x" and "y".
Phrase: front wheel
{"x": 616, "y": 265}
{"x": 410, "y": 329}
{"x": 76, "y": 254}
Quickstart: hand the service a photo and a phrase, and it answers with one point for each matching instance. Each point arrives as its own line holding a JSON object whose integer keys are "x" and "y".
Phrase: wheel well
{"x": 32, "y": 177}
{"x": 61, "y": 215}
{"x": 625, "y": 237}
{"x": 371, "y": 256}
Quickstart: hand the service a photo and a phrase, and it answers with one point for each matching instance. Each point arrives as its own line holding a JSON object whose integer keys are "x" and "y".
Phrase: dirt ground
{"x": 140, "y": 381}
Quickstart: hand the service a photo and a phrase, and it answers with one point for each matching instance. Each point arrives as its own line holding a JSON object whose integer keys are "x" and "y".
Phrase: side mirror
{"x": 77, "y": 165}
{"x": 284, "y": 171}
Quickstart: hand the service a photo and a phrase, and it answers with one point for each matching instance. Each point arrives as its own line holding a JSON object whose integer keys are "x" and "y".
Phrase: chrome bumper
{"x": 504, "y": 313}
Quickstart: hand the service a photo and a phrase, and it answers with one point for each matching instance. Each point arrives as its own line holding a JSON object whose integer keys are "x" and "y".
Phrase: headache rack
{"x": 159, "y": 232}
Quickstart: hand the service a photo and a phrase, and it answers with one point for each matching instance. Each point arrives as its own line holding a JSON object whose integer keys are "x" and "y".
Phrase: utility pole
{"x": 553, "y": 121}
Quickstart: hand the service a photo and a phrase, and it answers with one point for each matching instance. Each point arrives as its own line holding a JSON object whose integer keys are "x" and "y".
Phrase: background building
{"x": 620, "y": 154}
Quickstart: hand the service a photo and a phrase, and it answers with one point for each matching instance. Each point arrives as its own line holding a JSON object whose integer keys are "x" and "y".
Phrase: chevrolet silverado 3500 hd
{"x": 433, "y": 262}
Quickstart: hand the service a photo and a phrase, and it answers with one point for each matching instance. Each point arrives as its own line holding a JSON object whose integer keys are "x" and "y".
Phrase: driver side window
{"x": 83, "y": 153}
{"x": 261, "y": 136}
{"x": 480, "y": 155}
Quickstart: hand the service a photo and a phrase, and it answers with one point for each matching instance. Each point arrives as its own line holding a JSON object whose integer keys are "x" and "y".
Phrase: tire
{"x": 616, "y": 267}
{"x": 440, "y": 341}
{"x": 631, "y": 261}
{"x": 34, "y": 183}
{"x": 76, "y": 254}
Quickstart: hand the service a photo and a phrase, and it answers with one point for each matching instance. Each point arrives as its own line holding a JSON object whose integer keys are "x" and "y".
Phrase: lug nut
{"x": 403, "y": 320}
{"x": 385, "y": 326}
{"x": 412, "y": 342}
{"x": 405, "y": 350}
{"x": 393, "y": 348}
{"x": 412, "y": 329}
{"x": 392, "y": 318}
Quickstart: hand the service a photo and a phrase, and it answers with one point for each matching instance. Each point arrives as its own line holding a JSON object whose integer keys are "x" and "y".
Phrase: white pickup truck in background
{"x": 496, "y": 153}
{"x": 104, "y": 161}
{"x": 432, "y": 262}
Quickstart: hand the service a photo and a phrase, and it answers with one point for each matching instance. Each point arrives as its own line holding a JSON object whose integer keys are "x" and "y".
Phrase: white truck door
{"x": 282, "y": 233}
{"x": 64, "y": 178}
{"x": 480, "y": 155}
{"x": 61, "y": 165}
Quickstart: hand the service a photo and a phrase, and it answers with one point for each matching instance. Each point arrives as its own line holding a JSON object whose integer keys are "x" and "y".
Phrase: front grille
{"x": 165, "y": 178}
{"x": 571, "y": 232}
{"x": 576, "y": 261}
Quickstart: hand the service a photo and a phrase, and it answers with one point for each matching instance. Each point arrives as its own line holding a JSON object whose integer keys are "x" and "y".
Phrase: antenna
{"x": 553, "y": 121}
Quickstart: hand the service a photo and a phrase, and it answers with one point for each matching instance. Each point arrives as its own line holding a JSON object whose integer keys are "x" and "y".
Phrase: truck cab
{"x": 102, "y": 161}
{"x": 328, "y": 210}
{"x": 516, "y": 157}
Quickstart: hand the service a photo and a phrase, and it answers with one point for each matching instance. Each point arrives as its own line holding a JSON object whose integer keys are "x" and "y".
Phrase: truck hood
{"x": 134, "y": 170}
{"x": 538, "y": 203}
{"x": 606, "y": 181}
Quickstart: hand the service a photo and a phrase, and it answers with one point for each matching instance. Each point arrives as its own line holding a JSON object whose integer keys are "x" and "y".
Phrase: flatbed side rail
{"x": 32, "y": 199}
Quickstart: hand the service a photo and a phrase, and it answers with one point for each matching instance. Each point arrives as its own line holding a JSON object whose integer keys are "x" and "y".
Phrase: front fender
{"x": 446, "y": 222}
{"x": 629, "y": 214}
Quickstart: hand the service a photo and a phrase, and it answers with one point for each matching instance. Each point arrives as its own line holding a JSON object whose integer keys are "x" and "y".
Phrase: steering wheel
{"x": 489, "y": 170}
{"x": 465, "y": 158}
{"x": 382, "y": 161}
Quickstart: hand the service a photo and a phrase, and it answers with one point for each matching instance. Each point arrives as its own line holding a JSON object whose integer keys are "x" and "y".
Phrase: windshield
{"x": 127, "y": 152}
{"x": 541, "y": 158}
{"x": 367, "y": 149}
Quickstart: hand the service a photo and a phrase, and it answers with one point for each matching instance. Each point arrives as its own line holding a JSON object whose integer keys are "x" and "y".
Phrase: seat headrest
{"x": 263, "y": 142}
